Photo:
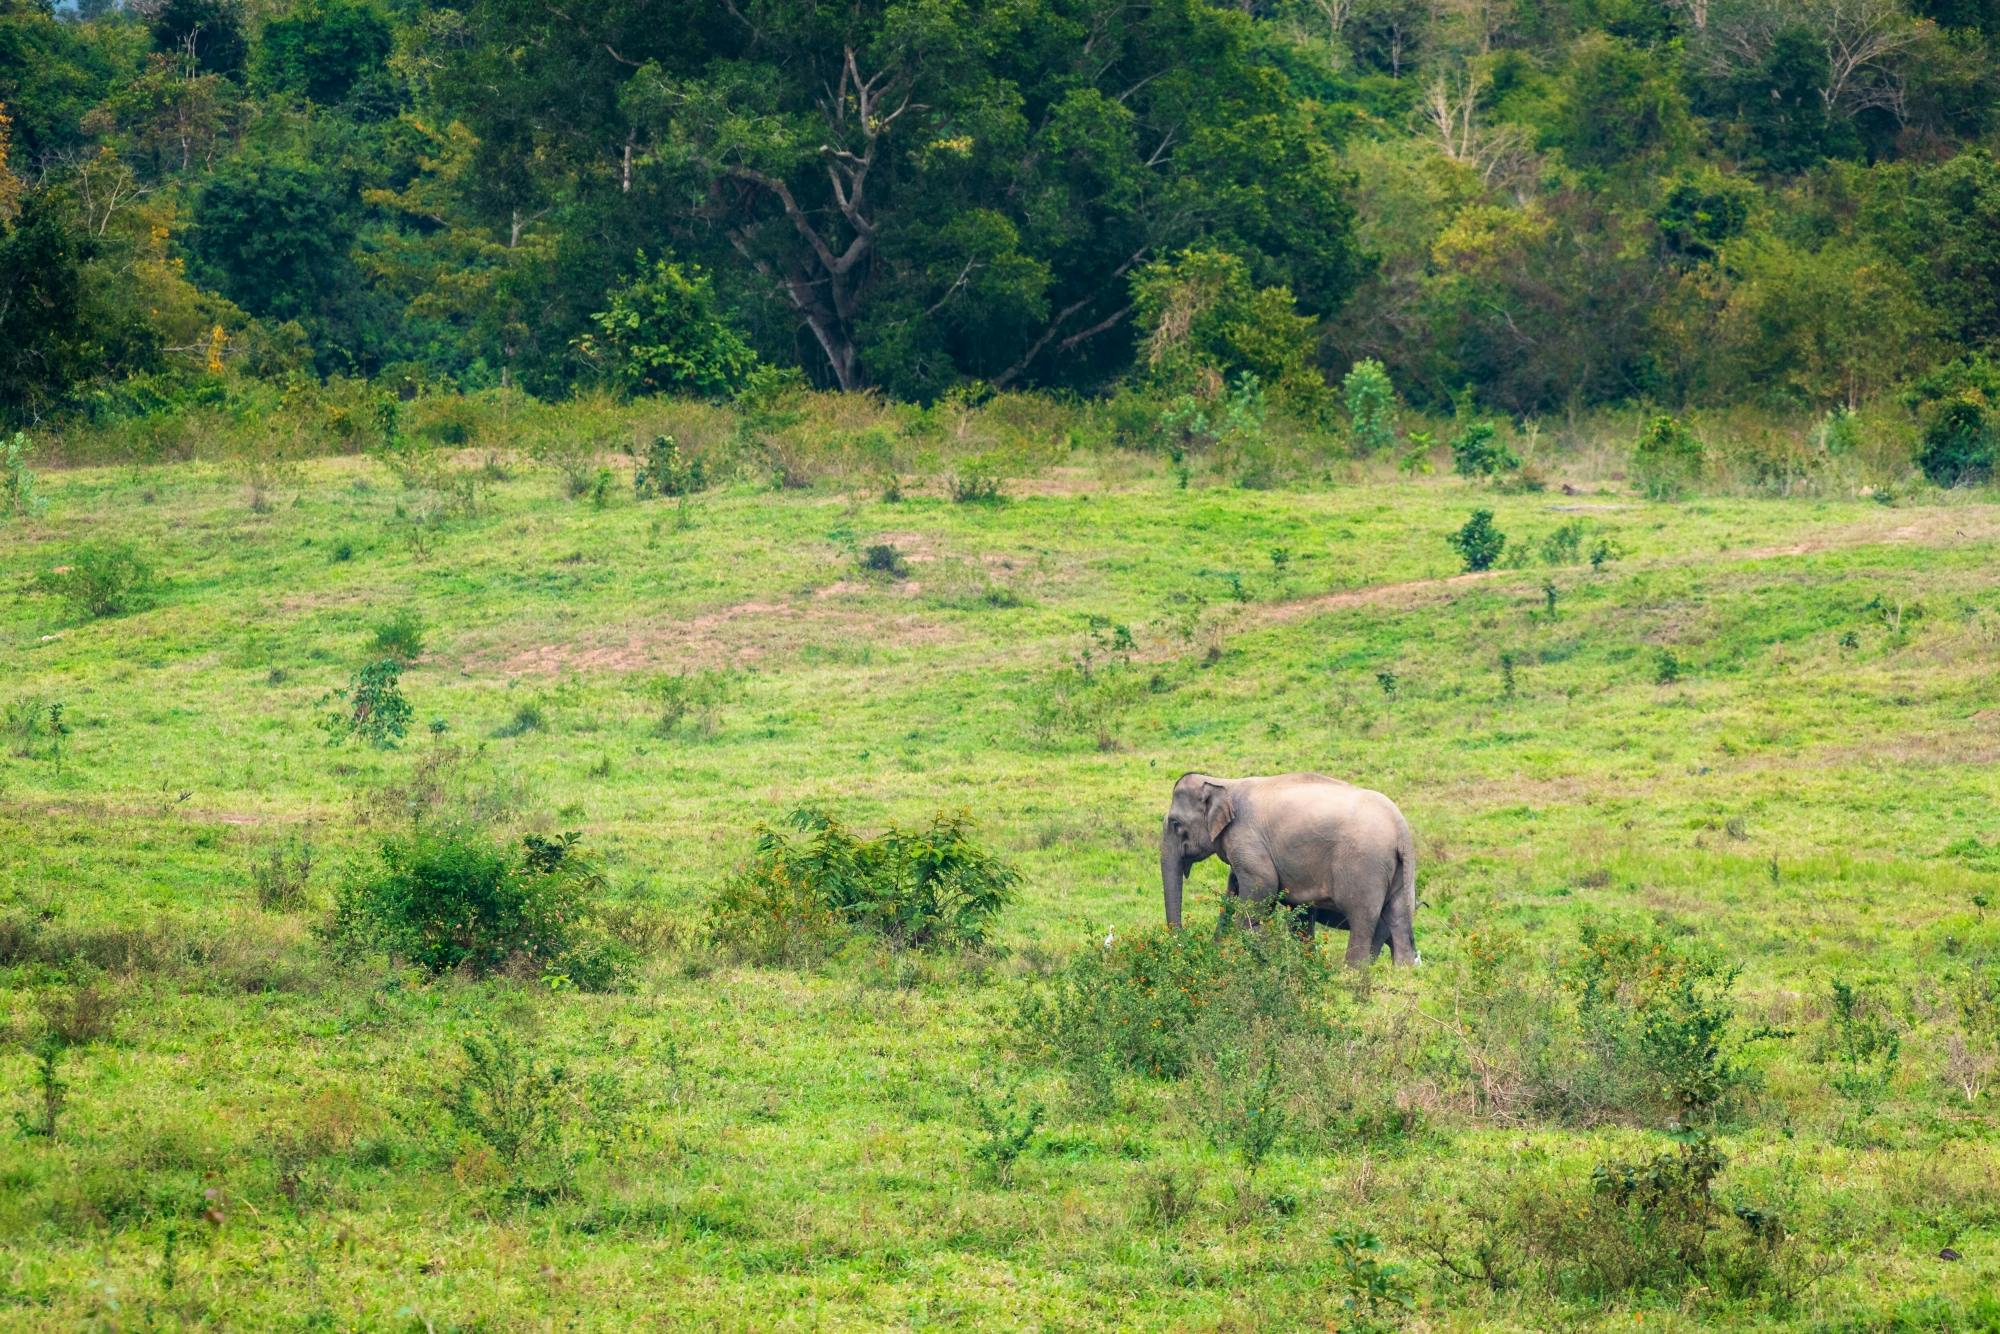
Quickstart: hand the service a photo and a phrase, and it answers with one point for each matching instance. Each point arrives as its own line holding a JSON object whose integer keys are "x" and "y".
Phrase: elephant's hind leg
{"x": 1362, "y": 947}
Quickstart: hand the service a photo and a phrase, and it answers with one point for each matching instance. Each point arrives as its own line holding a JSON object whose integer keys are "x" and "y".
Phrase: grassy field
{"x": 1765, "y": 727}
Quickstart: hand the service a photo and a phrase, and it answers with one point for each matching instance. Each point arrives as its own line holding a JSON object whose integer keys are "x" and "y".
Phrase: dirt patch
{"x": 733, "y": 636}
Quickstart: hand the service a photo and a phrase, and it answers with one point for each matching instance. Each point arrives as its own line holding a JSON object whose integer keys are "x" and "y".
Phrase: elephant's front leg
{"x": 1253, "y": 881}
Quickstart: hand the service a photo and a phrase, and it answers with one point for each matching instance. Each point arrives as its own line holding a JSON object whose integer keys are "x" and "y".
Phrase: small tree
{"x": 1478, "y": 451}
{"x": 373, "y": 707}
{"x": 1479, "y": 543}
{"x": 1371, "y": 406}
{"x": 663, "y": 334}
{"x": 1961, "y": 442}
{"x": 18, "y": 493}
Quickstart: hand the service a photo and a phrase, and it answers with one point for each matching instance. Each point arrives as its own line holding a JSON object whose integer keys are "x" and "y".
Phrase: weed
{"x": 1371, "y": 406}
{"x": 1388, "y": 681}
{"x": 1603, "y": 552}
{"x": 1564, "y": 546}
{"x": 69, "y": 1020}
{"x": 1478, "y": 543}
{"x": 1006, "y": 1126}
{"x": 1168, "y": 1198}
{"x": 690, "y": 703}
{"x": 1549, "y": 594}
{"x": 535, "y": 1121}
{"x": 19, "y": 494}
{"x": 33, "y": 723}
{"x": 341, "y": 552}
{"x": 1666, "y": 668}
{"x": 892, "y": 489}
{"x": 1507, "y": 683}
{"x": 373, "y": 706}
{"x": 283, "y": 873}
{"x": 102, "y": 579}
{"x": 401, "y": 636}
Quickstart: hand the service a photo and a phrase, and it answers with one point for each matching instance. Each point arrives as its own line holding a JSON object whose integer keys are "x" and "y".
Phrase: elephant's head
{"x": 1193, "y": 830}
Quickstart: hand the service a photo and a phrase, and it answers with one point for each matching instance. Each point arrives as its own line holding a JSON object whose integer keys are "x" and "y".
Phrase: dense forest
{"x": 1539, "y": 205}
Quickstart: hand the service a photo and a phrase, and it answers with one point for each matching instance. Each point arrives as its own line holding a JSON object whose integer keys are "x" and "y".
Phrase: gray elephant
{"x": 1342, "y": 852}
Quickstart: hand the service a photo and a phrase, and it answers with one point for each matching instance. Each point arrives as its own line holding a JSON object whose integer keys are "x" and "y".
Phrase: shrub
{"x": 102, "y": 579}
{"x": 373, "y": 706}
{"x": 1859, "y": 1043}
{"x": 1478, "y": 451}
{"x": 1667, "y": 459}
{"x": 401, "y": 636}
{"x": 1961, "y": 442}
{"x": 528, "y": 717}
{"x": 666, "y": 471}
{"x": 1478, "y": 543}
{"x": 1655, "y": 1019}
{"x": 883, "y": 558}
{"x": 1666, "y": 667}
{"x": 1371, "y": 406}
{"x": 928, "y": 888}
{"x": 450, "y": 899}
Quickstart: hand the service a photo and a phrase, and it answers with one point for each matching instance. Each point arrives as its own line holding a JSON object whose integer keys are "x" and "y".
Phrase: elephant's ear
{"x": 1220, "y": 811}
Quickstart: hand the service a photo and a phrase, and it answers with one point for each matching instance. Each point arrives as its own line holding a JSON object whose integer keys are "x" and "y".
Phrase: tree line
{"x": 1530, "y": 204}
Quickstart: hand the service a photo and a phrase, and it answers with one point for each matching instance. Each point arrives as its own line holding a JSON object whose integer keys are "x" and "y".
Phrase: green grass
{"x": 799, "y": 1148}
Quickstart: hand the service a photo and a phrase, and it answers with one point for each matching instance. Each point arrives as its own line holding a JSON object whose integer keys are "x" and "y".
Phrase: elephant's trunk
{"x": 1173, "y": 871}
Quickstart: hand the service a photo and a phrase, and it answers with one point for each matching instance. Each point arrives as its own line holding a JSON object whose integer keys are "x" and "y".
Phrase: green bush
{"x": 101, "y": 579}
{"x": 1655, "y": 1017}
{"x": 450, "y": 900}
{"x": 1667, "y": 459}
{"x": 1961, "y": 442}
{"x": 928, "y": 888}
{"x": 1478, "y": 543}
{"x": 664, "y": 333}
{"x": 401, "y": 636}
{"x": 536, "y": 1121}
{"x": 1478, "y": 451}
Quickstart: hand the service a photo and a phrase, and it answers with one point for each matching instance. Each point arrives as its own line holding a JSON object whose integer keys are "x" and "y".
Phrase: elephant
{"x": 1341, "y": 852}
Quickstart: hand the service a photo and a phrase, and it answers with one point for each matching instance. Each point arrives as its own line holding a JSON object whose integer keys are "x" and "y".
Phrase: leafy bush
{"x": 1667, "y": 459}
{"x": 664, "y": 333}
{"x": 451, "y": 899}
{"x": 1478, "y": 451}
{"x": 401, "y": 636}
{"x": 1006, "y": 1125}
{"x": 1151, "y": 1004}
{"x": 373, "y": 706}
{"x": 1371, "y": 406}
{"x": 102, "y": 579}
{"x": 1655, "y": 1018}
{"x": 1478, "y": 543}
{"x": 282, "y": 874}
{"x": 666, "y": 471}
{"x": 928, "y": 888}
{"x": 1859, "y": 1043}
